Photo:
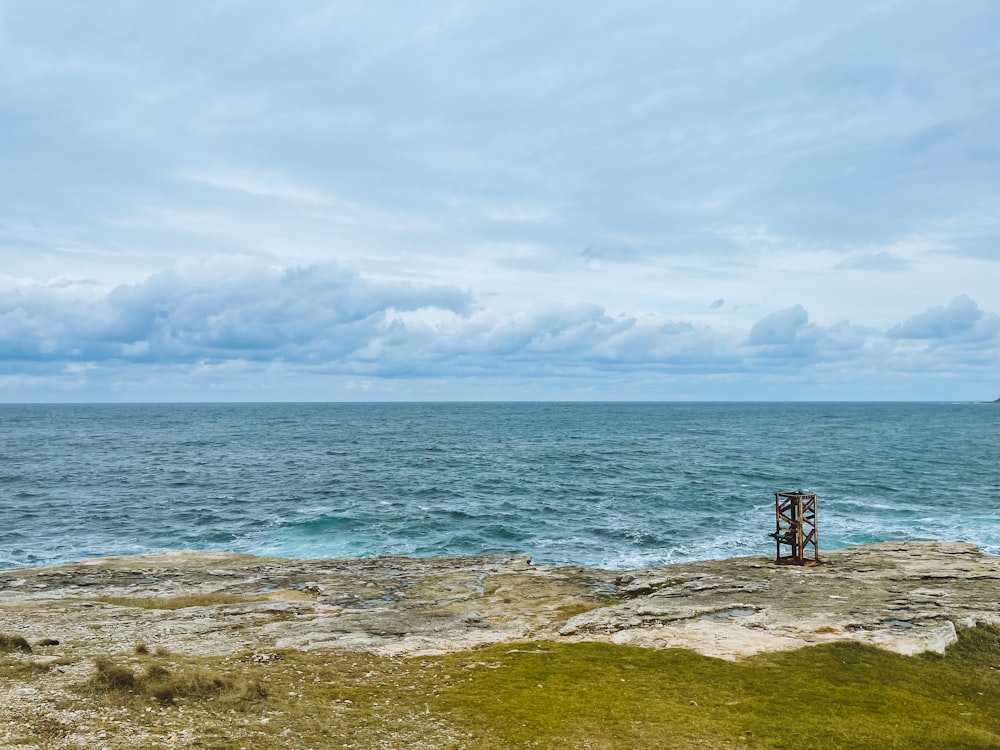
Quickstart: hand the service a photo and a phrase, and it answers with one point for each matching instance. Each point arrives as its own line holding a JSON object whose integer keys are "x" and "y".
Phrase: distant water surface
{"x": 606, "y": 484}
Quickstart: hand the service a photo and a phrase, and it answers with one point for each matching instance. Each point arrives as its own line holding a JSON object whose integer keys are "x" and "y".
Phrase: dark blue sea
{"x": 615, "y": 485}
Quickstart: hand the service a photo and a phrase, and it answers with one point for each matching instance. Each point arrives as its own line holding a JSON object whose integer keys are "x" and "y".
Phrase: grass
{"x": 557, "y": 695}
{"x": 22, "y": 668}
{"x": 9, "y": 643}
{"x": 842, "y": 695}
{"x": 170, "y": 683}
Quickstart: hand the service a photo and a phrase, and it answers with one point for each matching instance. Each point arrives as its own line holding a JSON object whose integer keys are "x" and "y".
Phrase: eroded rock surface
{"x": 905, "y": 597}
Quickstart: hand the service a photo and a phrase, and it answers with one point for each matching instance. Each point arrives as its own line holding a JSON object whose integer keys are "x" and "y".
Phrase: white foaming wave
{"x": 737, "y": 544}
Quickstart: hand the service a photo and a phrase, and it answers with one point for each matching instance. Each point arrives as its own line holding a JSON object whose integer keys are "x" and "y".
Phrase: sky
{"x": 485, "y": 200}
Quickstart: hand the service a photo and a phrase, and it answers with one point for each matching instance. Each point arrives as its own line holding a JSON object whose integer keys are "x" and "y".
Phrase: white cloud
{"x": 200, "y": 321}
{"x": 171, "y": 316}
{"x": 958, "y": 317}
{"x": 781, "y": 327}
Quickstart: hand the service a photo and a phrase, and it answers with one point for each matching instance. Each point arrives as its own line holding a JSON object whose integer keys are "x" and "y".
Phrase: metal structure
{"x": 795, "y": 535}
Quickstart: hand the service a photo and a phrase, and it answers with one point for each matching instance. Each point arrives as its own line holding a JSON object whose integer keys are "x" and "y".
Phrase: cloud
{"x": 303, "y": 314}
{"x": 780, "y": 327}
{"x": 960, "y": 316}
{"x": 786, "y": 342}
{"x": 554, "y": 340}
{"x": 222, "y": 333}
{"x": 334, "y": 319}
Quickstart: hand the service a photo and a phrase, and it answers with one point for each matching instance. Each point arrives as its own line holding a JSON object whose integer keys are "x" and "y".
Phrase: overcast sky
{"x": 476, "y": 199}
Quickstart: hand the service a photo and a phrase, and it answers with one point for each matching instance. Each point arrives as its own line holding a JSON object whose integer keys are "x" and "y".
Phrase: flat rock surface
{"x": 905, "y": 597}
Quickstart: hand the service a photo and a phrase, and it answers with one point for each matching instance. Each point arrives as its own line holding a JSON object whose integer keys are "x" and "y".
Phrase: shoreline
{"x": 180, "y": 553}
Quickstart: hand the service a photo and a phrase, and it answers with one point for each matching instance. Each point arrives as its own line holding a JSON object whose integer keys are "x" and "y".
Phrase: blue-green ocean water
{"x": 606, "y": 484}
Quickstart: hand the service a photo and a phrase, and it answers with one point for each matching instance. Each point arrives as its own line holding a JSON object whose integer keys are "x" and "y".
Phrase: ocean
{"x": 614, "y": 485}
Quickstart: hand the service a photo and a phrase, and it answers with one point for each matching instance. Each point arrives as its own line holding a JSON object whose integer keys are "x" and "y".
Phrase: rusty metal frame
{"x": 795, "y": 528}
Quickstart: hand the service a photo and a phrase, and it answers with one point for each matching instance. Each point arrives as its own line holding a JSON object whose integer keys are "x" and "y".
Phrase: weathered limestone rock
{"x": 905, "y": 597}
{"x": 877, "y": 594}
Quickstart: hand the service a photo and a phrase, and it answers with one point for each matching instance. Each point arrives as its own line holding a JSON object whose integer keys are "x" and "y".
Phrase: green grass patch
{"x": 556, "y": 695}
{"x": 842, "y": 695}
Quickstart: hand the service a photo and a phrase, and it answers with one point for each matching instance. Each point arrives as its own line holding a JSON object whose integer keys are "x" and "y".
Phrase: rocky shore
{"x": 380, "y": 625}
{"x": 904, "y": 597}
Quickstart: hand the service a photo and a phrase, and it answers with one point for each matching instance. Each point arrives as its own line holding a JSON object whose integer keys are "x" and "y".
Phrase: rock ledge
{"x": 907, "y": 597}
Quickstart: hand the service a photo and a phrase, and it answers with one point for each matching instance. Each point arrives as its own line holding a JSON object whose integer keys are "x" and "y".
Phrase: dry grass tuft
{"x": 170, "y": 683}
{"x": 10, "y": 643}
{"x": 112, "y": 677}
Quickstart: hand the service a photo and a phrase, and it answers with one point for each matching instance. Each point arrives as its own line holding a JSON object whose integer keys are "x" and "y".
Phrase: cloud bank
{"x": 962, "y": 317}
{"x": 332, "y": 321}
